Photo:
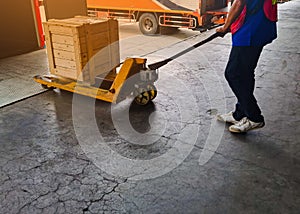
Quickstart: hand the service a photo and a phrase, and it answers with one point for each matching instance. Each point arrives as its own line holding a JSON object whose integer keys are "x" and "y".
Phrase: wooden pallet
{"x": 81, "y": 48}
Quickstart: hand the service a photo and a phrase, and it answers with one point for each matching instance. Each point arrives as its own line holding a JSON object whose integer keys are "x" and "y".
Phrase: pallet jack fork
{"x": 133, "y": 78}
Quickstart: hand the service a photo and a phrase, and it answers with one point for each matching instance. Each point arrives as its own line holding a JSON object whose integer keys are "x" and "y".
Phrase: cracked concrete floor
{"x": 44, "y": 169}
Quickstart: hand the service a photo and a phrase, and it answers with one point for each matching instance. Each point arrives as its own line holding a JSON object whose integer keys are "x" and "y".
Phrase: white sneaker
{"x": 245, "y": 125}
{"x": 227, "y": 118}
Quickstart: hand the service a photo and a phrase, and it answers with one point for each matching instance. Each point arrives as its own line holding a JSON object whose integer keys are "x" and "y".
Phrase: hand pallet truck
{"x": 112, "y": 87}
{"x": 134, "y": 78}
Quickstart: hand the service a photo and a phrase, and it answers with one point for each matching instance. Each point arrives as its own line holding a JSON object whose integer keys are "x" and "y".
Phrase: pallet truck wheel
{"x": 142, "y": 97}
{"x": 152, "y": 91}
{"x": 47, "y": 87}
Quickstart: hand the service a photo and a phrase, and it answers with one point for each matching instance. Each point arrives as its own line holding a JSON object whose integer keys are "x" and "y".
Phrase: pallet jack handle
{"x": 157, "y": 65}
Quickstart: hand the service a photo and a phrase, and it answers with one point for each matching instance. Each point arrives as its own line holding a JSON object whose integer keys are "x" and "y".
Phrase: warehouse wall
{"x": 18, "y": 34}
{"x": 60, "y": 9}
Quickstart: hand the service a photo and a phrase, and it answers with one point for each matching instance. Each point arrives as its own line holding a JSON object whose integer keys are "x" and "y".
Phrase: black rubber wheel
{"x": 47, "y": 87}
{"x": 148, "y": 24}
{"x": 142, "y": 96}
{"x": 44, "y": 86}
{"x": 152, "y": 91}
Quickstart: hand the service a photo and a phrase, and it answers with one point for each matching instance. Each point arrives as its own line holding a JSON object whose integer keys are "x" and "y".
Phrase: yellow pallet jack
{"x": 133, "y": 79}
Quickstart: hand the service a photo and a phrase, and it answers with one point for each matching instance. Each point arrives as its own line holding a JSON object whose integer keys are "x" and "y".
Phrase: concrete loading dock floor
{"x": 46, "y": 166}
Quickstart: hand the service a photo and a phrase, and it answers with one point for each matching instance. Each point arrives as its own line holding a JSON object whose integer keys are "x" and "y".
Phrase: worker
{"x": 253, "y": 25}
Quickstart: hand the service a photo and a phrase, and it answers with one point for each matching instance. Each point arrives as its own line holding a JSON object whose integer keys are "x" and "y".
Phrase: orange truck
{"x": 154, "y": 15}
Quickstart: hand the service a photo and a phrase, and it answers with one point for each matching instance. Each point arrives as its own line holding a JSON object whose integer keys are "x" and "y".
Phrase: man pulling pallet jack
{"x": 253, "y": 25}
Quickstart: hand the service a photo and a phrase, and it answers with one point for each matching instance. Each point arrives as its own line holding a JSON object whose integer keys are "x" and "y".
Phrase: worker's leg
{"x": 240, "y": 76}
{"x": 232, "y": 76}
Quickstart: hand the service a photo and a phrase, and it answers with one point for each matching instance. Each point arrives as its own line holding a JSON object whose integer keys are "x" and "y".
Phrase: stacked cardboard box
{"x": 81, "y": 48}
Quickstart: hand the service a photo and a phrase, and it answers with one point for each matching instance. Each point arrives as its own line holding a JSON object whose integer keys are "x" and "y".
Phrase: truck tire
{"x": 148, "y": 24}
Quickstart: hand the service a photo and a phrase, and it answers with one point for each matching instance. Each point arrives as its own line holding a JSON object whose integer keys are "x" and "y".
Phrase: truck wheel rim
{"x": 148, "y": 24}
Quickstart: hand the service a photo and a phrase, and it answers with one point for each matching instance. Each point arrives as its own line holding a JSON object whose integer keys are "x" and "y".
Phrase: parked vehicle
{"x": 152, "y": 15}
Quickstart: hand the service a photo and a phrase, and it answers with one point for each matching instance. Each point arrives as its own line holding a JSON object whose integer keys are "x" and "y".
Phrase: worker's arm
{"x": 233, "y": 13}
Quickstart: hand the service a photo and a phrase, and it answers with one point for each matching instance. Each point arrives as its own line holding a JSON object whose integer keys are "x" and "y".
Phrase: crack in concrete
{"x": 91, "y": 202}
{"x": 28, "y": 203}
